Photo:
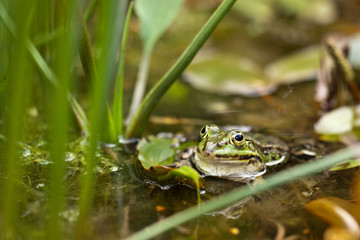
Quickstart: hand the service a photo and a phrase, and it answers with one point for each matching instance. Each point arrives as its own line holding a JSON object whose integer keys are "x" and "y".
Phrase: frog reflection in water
{"x": 237, "y": 156}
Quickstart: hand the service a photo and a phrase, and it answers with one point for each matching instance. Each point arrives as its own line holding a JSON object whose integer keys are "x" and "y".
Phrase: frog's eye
{"x": 237, "y": 139}
{"x": 204, "y": 131}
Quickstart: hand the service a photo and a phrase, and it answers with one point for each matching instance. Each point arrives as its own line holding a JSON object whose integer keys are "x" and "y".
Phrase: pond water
{"x": 124, "y": 203}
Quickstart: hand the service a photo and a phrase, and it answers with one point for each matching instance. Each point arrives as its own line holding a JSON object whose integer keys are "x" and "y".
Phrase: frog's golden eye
{"x": 237, "y": 139}
{"x": 204, "y": 131}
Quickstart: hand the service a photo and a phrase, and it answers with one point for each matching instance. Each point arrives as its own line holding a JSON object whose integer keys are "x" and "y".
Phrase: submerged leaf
{"x": 297, "y": 66}
{"x": 256, "y": 10}
{"x": 227, "y": 74}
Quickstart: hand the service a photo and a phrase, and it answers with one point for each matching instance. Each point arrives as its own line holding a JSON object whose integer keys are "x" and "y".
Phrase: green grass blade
{"x": 110, "y": 26}
{"x": 90, "y": 10}
{"x": 117, "y": 106}
{"x": 275, "y": 180}
{"x": 110, "y": 131}
{"x": 63, "y": 53}
{"x": 45, "y": 69}
{"x": 86, "y": 55}
{"x": 137, "y": 123}
{"x": 80, "y": 115}
{"x": 18, "y": 91}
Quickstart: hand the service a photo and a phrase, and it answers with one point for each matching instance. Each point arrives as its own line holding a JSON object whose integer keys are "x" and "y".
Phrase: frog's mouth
{"x": 230, "y": 159}
{"x": 227, "y": 167}
{"x": 242, "y": 160}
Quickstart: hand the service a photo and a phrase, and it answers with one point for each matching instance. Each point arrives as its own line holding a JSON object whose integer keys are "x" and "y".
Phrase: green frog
{"x": 237, "y": 156}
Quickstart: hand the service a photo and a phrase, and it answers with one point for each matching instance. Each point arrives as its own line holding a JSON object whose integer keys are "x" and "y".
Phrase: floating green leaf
{"x": 256, "y": 10}
{"x": 338, "y": 121}
{"x": 346, "y": 165}
{"x": 300, "y": 65}
{"x": 155, "y": 152}
{"x": 227, "y": 74}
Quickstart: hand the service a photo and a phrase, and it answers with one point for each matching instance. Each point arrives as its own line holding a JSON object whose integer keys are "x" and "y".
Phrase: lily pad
{"x": 338, "y": 121}
{"x": 346, "y": 165}
{"x": 297, "y": 66}
{"x": 256, "y": 10}
{"x": 155, "y": 152}
{"x": 227, "y": 74}
{"x": 166, "y": 177}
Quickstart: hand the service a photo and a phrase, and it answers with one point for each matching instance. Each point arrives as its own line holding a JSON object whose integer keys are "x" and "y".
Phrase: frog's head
{"x": 227, "y": 154}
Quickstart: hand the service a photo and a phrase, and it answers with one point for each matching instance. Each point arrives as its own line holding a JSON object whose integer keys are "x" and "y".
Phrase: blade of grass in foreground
{"x": 18, "y": 91}
{"x": 44, "y": 68}
{"x": 111, "y": 20}
{"x": 63, "y": 54}
{"x": 275, "y": 180}
{"x": 137, "y": 123}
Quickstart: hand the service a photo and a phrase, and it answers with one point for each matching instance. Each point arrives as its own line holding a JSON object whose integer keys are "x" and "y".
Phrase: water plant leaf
{"x": 297, "y": 66}
{"x": 155, "y": 152}
{"x": 187, "y": 174}
{"x": 155, "y": 18}
{"x": 227, "y": 74}
{"x": 337, "y": 121}
{"x": 346, "y": 165}
{"x": 338, "y": 213}
{"x": 256, "y": 10}
{"x": 110, "y": 134}
{"x": 354, "y": 53}
{"x": 117, "y": 104}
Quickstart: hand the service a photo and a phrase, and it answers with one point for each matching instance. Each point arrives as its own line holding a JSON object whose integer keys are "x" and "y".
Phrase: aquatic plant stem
{"x": 90, "y": 10}
{"x": 275, "y": 180}
{"x": 140, "y": 84}
{"x": 64, "y": 53}
{"x": 117, "y": 106}
{"x": 110, "y": 28}
{"x": 137, "y": 123}
{"x": 17, "y": 99}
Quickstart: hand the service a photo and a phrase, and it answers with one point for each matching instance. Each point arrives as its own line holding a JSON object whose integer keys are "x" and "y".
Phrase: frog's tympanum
{"x": 235, "y": 155}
